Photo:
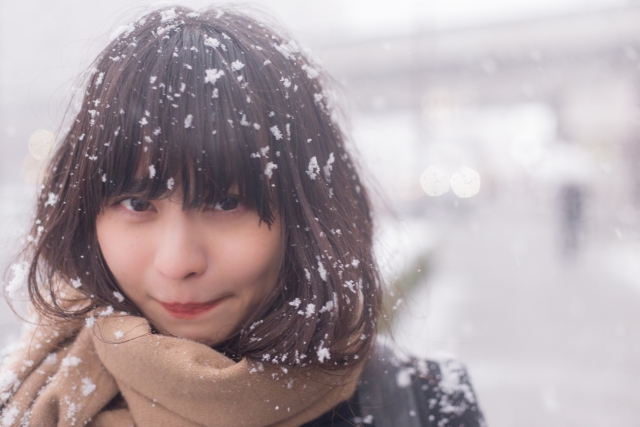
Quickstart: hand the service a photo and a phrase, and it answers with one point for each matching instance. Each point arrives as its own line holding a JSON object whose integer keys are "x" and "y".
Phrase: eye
{"x": 136, "y": 205}
{"x": 227, "y": 204}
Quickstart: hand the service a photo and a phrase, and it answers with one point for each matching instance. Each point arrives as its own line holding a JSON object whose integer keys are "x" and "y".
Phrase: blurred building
{"x": 500, "y": 98}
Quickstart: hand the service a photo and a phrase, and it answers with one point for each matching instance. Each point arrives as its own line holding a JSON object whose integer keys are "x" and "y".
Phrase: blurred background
{"x": 503, "y": 141}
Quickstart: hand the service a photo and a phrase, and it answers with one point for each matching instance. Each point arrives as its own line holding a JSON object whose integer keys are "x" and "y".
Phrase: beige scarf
{"x": 68, "y": 375}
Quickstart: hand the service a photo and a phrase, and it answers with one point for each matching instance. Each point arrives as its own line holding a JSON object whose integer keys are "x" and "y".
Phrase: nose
{"x": 179, "y": 252}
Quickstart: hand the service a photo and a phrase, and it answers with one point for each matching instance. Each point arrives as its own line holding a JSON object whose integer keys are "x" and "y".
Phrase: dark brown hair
{"x": 211, "y": 100}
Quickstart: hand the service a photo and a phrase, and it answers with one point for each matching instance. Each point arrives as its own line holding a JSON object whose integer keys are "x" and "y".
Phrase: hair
{"x": 210, "y": 100}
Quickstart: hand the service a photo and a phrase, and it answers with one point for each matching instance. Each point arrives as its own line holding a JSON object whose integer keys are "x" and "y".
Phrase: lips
{"x": 189, "y": 310}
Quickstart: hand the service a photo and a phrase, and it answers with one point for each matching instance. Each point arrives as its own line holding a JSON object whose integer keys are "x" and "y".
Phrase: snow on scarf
{"x": 67, "y": 374}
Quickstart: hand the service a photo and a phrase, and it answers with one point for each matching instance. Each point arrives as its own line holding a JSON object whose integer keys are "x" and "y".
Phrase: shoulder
{"x": 416, "y": 392}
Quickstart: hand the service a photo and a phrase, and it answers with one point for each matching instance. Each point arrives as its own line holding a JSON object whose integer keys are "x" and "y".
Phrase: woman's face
{"x": 196, "y": 274}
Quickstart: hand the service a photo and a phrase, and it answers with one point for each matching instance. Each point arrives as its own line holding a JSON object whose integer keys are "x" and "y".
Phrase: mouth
{"x": 191, "y": 309}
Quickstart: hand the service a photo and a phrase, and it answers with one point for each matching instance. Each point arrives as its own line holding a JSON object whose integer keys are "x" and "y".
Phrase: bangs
{"x": 169, "y": 125}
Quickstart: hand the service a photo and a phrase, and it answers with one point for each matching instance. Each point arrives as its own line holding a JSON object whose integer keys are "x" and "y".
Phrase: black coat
{"x": 414, "y": 393}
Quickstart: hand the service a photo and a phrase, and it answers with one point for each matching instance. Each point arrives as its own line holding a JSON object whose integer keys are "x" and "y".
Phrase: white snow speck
{"x": 118, "y": 296}
{"x": 90, "y": 321}
{"x": 312, "y": 73}
{"x": 307, "y": 275}
{"x": 452, "y": 373}
{"x": 329, "y": 167}
{"x": 210, "y": 41}
{"x": 188, "y": 121}
{"x": 88, "y": 386}
{"x": 286, "y": 82}
{"x": 152, "y": 171}
{"x": 323, "y": 354}
{"x": 118, "y": 334}
{"x": 70, "y": 361}
{"x": 153, "y": 79}
{"x": 168, "y": 15}
{"x": 322, "y": 271}
{"x": 403, "y": 377}
{"x": 268, "y": 170}
{"x": 99, "y": 79}
{"x": 350, "y": 285}
{"x": 76, "y": 283}
{"x": 327, "y": 307}
{"x": 287, "y": 49}
{"x": 170, "y": 183}
{"x": 157, "y": 131}
{"x": 318, "y": 97}
{"x": 237, "y": 65}
{"x": 243, "y": 121}
{"x": 213, "y": 75}
{"x": 143, "y": 121}
{"x": 310, "y": 310}
{"x": 122, "y": 30}
{"x": 20, "y": 271}
{"x": 295, "y": 302}
{"x": 106, "y": 312}
{"x": 276, "y": 132}
{"x": 256, "y": 126}
{"x": 9, "y": 383}
{"x": 9, "y": 416}
{"x": 313, "y": 169}
{"x": 104, "y": 177}
{"x": 51, "y": 199}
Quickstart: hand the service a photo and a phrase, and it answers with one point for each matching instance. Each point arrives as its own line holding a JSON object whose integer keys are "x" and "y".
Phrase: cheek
{"x": 122, "y": 249}
{"x": 254, "y": 257}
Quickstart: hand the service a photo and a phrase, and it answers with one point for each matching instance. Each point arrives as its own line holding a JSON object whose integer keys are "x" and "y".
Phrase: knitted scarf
{"x": 73, "y": 374}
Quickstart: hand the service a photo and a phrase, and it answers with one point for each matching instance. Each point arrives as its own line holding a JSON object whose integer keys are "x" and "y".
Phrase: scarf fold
{"x": 66, "y": 375}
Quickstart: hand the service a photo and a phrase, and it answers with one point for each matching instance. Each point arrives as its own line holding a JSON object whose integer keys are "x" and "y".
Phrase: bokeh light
{"x": 435, "y": 181}
{"x": 41, "y": 144}
{"x": 465, "y": 182}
